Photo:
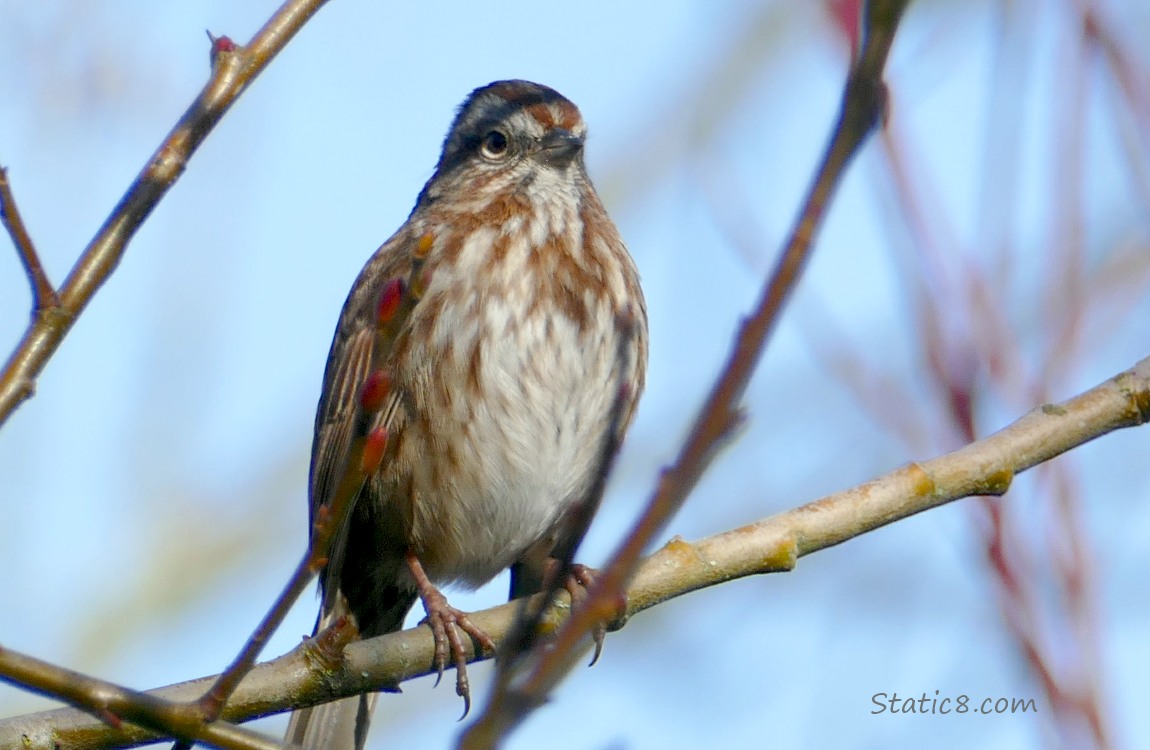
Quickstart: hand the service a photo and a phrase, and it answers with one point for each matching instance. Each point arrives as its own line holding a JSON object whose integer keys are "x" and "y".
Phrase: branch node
{"x": 782, "y": 558}
{"x": 105, "y": 715}
{"x": 998, "y": 482}
{"x": 1139, "y": 397}
{"x": 221, "y": 45}
{"x": 921, "y": 482}
{"x": 325, "y": 650}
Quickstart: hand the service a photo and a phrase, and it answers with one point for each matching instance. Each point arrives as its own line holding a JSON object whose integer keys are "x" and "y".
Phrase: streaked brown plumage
{"x": 503, "y": 375}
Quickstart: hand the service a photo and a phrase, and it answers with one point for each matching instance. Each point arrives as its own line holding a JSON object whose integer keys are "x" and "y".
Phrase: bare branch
{"x": 308, "y": 676}
{"x": 113, "y": 705}
{"x": 233, "y": 69}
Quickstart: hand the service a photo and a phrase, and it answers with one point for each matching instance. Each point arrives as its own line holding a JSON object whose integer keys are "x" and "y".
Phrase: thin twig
{"x": 233, "y": 70}
{"x": 364, "y": 455}
{"x": 307, "y": 676}
{"x": 43, "y": 295}
{"x": 863, "y": 104}
{"x": 215, "y": 697}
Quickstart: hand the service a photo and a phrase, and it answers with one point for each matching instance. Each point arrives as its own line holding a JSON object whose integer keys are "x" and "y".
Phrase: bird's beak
{"x": 559, "y": 147}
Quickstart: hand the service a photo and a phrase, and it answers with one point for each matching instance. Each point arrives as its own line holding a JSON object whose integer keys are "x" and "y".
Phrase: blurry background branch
{"x": 984, "y": 467}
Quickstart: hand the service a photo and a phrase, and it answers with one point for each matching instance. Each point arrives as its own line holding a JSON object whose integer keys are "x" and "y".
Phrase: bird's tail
{"x": 332, "y": 726}
{"x": 343, "y": 724}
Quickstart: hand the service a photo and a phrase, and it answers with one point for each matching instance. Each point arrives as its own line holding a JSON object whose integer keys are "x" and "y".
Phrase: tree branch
{"x": 233, "y": 69}
{"x": 307, "y": 676}
{"x": 112, "y": 705}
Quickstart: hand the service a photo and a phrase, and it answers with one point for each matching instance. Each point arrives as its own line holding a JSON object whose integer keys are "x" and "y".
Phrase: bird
{"x": 514, "y": 350}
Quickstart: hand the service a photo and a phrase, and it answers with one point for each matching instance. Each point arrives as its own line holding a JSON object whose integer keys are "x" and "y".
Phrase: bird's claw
{"x": 447, "y": 625}
{"x": 577, "y": 584}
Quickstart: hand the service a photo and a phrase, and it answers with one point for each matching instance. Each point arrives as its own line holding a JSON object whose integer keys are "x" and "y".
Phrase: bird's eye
{"x": 494, "y": 145}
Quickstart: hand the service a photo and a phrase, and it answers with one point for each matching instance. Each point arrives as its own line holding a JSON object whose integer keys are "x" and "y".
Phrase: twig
{"x": 43, "y": 295}
{"x": 307, "y": 677}
{"x": 233, "y": 70}
{"x": 863, "y": 104}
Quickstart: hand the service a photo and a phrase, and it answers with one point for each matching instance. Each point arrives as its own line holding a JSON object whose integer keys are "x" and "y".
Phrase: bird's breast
{"x": 512, "y": 386}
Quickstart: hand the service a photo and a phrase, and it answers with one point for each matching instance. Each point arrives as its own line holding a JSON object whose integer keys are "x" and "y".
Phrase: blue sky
{"x": 152, "y": 495}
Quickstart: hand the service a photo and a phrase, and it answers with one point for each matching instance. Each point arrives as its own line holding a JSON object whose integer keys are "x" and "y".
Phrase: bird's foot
{"x": 448, "y": 625}
{"x": 578, "y": 583}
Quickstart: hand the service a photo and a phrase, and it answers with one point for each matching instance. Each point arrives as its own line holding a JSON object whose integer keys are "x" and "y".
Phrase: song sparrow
{"x": 501, "y": 378}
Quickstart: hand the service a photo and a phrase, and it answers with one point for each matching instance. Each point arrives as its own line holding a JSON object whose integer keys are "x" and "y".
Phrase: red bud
{"x": 373, "y": 447}
{"x": 375, "y": 389}
{"x": 220, "y": 44}
{"x": 223, "y": 44}
{"x": 389, "y": 300}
